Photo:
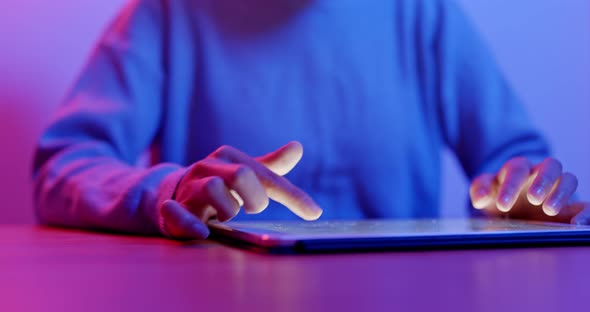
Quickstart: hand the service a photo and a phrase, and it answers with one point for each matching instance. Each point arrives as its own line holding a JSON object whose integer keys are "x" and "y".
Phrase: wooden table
{"x": 45, "y": 269}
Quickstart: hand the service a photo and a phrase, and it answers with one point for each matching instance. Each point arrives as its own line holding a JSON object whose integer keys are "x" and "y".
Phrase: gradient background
{"x": 543, "y": 47}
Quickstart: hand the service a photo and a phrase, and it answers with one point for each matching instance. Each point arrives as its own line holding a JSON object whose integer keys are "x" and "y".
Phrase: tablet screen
{"x": 396, "y": 228}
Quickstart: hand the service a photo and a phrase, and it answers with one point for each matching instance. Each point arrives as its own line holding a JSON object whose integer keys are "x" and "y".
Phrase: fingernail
{"x": 539, "y": 194}
{"x": 319, "y": 211}
{"x": 550, "y": 210}
{"x": 533, "y": 199}
{"x": 317, "y": 214}
{"x": 504, "y": 203}
{"x": 478, "y": 205}
{"x": 482, "y": 202}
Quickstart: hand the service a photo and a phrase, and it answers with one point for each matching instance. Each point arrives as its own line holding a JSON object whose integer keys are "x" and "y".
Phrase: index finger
{"x": 279, "y": 188}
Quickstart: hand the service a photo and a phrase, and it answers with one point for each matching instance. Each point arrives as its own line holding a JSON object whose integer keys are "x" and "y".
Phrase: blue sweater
{"x": 372, "y": 89}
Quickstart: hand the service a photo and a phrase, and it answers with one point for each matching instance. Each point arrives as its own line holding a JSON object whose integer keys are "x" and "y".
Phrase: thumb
{"x": 181, "y": 224}
{"x": 284, "y": 159}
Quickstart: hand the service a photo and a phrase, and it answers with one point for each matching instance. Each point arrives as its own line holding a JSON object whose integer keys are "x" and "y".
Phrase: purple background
{"x": 542, "y": 45}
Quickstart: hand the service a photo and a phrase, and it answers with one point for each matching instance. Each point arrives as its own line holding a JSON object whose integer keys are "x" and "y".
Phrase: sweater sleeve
{"x": 482, "y": 119}
{"x": 85, "y": 172}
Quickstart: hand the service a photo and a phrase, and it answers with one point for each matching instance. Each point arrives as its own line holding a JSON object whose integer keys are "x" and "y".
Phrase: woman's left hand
{"x": 520, "y": 190}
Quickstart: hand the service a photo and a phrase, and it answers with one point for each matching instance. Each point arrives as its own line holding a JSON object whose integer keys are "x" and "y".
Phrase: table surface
{"x": 46, "y": 269}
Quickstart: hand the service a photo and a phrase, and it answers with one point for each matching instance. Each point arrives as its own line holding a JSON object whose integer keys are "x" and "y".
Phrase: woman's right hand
{"x": 217, "y": 186}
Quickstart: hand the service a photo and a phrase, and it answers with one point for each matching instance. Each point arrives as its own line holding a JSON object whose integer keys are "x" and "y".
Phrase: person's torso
{"x": 342, "y": 77}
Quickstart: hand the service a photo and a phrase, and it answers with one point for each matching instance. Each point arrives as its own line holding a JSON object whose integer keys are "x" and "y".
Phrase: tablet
{"x": 360, "y": 235}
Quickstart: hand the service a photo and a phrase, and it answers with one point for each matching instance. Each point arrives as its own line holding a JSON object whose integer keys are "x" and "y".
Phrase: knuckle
{"x": 213, "y": 185}
{"x": 479, "y": 179}
{"x": 517, "y": 165}
{"x": 186, "y": 190}
{"x": 483, "y": 180}
{"x": 223, "y": 151}
{"x": 554, "y": 163}
{"x": 518, "y": 161}
{"x": 197, "y": 167}
{"x": 571, "y": 178}
{"x": 516, "y": 179}
{"x": 242, "y": 174}
{"x": 191, "y": 174}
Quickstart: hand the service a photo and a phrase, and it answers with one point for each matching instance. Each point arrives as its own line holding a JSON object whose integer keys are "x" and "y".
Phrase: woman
{"x": 373, "y": 91}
